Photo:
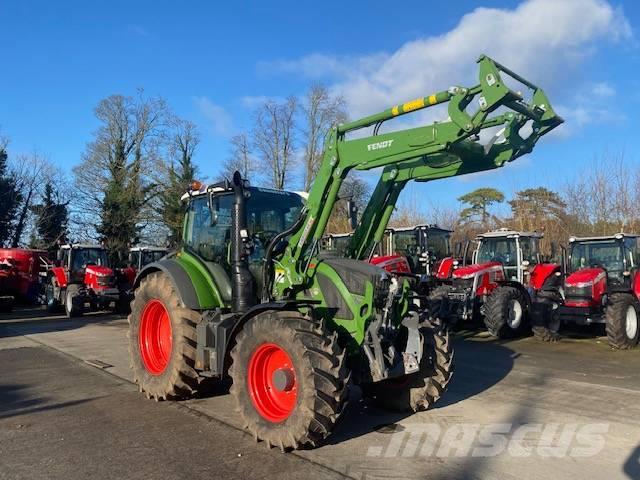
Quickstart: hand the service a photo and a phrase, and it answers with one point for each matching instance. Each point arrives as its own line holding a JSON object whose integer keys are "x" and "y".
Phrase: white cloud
{"x": 541, "y": 39}
{"x": 219, "y": 119}
{"x": 254, "y": 101}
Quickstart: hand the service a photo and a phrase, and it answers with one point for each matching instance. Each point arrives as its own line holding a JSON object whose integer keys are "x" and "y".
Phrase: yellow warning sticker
{"x": 413, "y": 105}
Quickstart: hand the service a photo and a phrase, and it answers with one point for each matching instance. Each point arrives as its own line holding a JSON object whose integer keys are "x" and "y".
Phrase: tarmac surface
{"x": 515, "y": 409}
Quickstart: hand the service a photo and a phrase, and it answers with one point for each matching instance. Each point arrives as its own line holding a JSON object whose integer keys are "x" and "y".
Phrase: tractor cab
{"x": 142, "y": 255}
{"x": 208, "y": 233}
{"x": 337, "y": 243}
{"x": 78, "y": 259}
{"x": 517, "y": 252}
{"x": 423, "y": 246}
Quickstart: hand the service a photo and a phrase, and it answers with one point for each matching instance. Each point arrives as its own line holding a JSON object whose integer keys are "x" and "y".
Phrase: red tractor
{"x": 82, "y": 277}
{"x": 499, "y": 286}
{"x": 20, "y": 271}
{"x": 601, "y": 285}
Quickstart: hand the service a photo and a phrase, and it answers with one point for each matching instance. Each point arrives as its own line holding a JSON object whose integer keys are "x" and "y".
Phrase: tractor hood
{"x": 392, "y": 263}
{"x": 99, "y": 270}
{"x": 585, "y": 277}
{"x": 471, "y": 271}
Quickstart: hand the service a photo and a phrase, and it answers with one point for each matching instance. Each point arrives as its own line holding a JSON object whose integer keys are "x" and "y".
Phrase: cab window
{"x": 210, "y": 242}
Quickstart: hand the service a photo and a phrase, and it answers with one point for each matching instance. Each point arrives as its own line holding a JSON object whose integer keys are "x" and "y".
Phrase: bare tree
{"x": 241, "y": 159}
{"x": 273, "y": 138}
{"x": 31, "y": 172}
{"x": 321, "y": 111}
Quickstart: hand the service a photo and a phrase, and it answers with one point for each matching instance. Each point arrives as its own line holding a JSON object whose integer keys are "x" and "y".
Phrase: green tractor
{"x": 250, "y": 296}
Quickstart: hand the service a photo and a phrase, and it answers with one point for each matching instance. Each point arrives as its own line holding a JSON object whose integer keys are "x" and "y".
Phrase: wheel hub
{"x": 155, "y": 337}
{"x": 631, "y": 322}
{"x": 272, "y": 382}
{"x": 283, "y": 379}
{"x": 515, "y": 314}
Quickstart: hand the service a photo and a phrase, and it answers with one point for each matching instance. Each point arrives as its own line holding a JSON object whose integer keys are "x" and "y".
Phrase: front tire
{"x": 52, "y": 296}
{"x": 438, "y": 302}
{"x": 622, "y": 323}
{"x": 162, "y": 340}
{"x": 73, "y": 305}
{"x": 290, "y": 381}
{"x": 420, "y": 390}
{"x": 506, "y": 312}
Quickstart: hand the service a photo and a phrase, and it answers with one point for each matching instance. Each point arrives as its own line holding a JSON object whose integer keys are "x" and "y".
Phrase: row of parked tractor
{"x": 80, "y": 277}
{"x": 507, "y": 284}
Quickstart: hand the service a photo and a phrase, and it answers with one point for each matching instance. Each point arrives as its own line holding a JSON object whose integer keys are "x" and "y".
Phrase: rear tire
{"x": 73, "y": 306}
{"x": 290, "y": 380}
{"x": 545, "y": 319}
{"x": 421, "y": 390}
{"x": 622, "y": 322}
{"x": 506, "y": 312}
{"x": 162, "y": 340}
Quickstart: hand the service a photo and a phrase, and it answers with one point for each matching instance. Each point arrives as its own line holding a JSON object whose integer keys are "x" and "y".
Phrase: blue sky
{"x": 213, "y": 60}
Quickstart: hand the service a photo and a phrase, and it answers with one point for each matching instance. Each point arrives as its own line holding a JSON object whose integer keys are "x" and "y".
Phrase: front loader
{"x": 249, "y": 296}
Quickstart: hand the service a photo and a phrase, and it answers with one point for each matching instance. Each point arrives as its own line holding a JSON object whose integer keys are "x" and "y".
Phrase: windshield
{"x": 406, "y": 242}
{"x": 150, "y": 256}
{"x": 339, "y": 245}
{"x": 501, "y": 250}
{"x": 438, "y": 243}
{"x": 88, "y": 256}
{"x": 607, "y": 254}
{"x": 269, "y": 212}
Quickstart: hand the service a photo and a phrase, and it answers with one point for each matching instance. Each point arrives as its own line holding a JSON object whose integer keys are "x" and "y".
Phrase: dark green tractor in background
{"x": 249, "y": 295}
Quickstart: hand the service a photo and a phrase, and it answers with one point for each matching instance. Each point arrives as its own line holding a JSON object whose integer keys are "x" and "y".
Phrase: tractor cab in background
{"x": 139, "y": 256}
{"x": 82, "y": 279}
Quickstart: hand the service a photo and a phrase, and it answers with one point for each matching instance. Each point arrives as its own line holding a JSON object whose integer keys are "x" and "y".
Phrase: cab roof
{"x": 506, "y": 233}
{"x": 147, "y": 248}
{"x": 616, "y": 236}
{"x": 432, "y": 227}
{"x": 83, "y": 245}
{"x": 226, "y": 187}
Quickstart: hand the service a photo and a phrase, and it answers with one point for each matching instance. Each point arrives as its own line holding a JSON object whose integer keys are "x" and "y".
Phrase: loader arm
{"x": 437, "y": 150}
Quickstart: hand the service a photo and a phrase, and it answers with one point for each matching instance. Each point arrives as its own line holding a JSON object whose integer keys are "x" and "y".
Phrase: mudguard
{"x": 195, "y": 286}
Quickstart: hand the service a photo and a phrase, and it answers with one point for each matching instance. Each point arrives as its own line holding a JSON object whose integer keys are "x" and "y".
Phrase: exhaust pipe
{"x": 242, "y": 282}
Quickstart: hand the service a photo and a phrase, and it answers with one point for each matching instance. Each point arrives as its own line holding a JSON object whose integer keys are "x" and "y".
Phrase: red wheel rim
{"x": 272, "y": 382}
{"x": 155, "y": 337}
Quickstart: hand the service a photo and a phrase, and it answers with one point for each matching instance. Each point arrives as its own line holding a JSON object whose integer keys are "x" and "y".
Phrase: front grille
{"x": 462, "y": 284}
{"x": 578, "y": 292}
{"x": 106, "y": 280}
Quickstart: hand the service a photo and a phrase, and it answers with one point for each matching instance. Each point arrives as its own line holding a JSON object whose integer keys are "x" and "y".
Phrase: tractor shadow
{"x": 479, "y": 365}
